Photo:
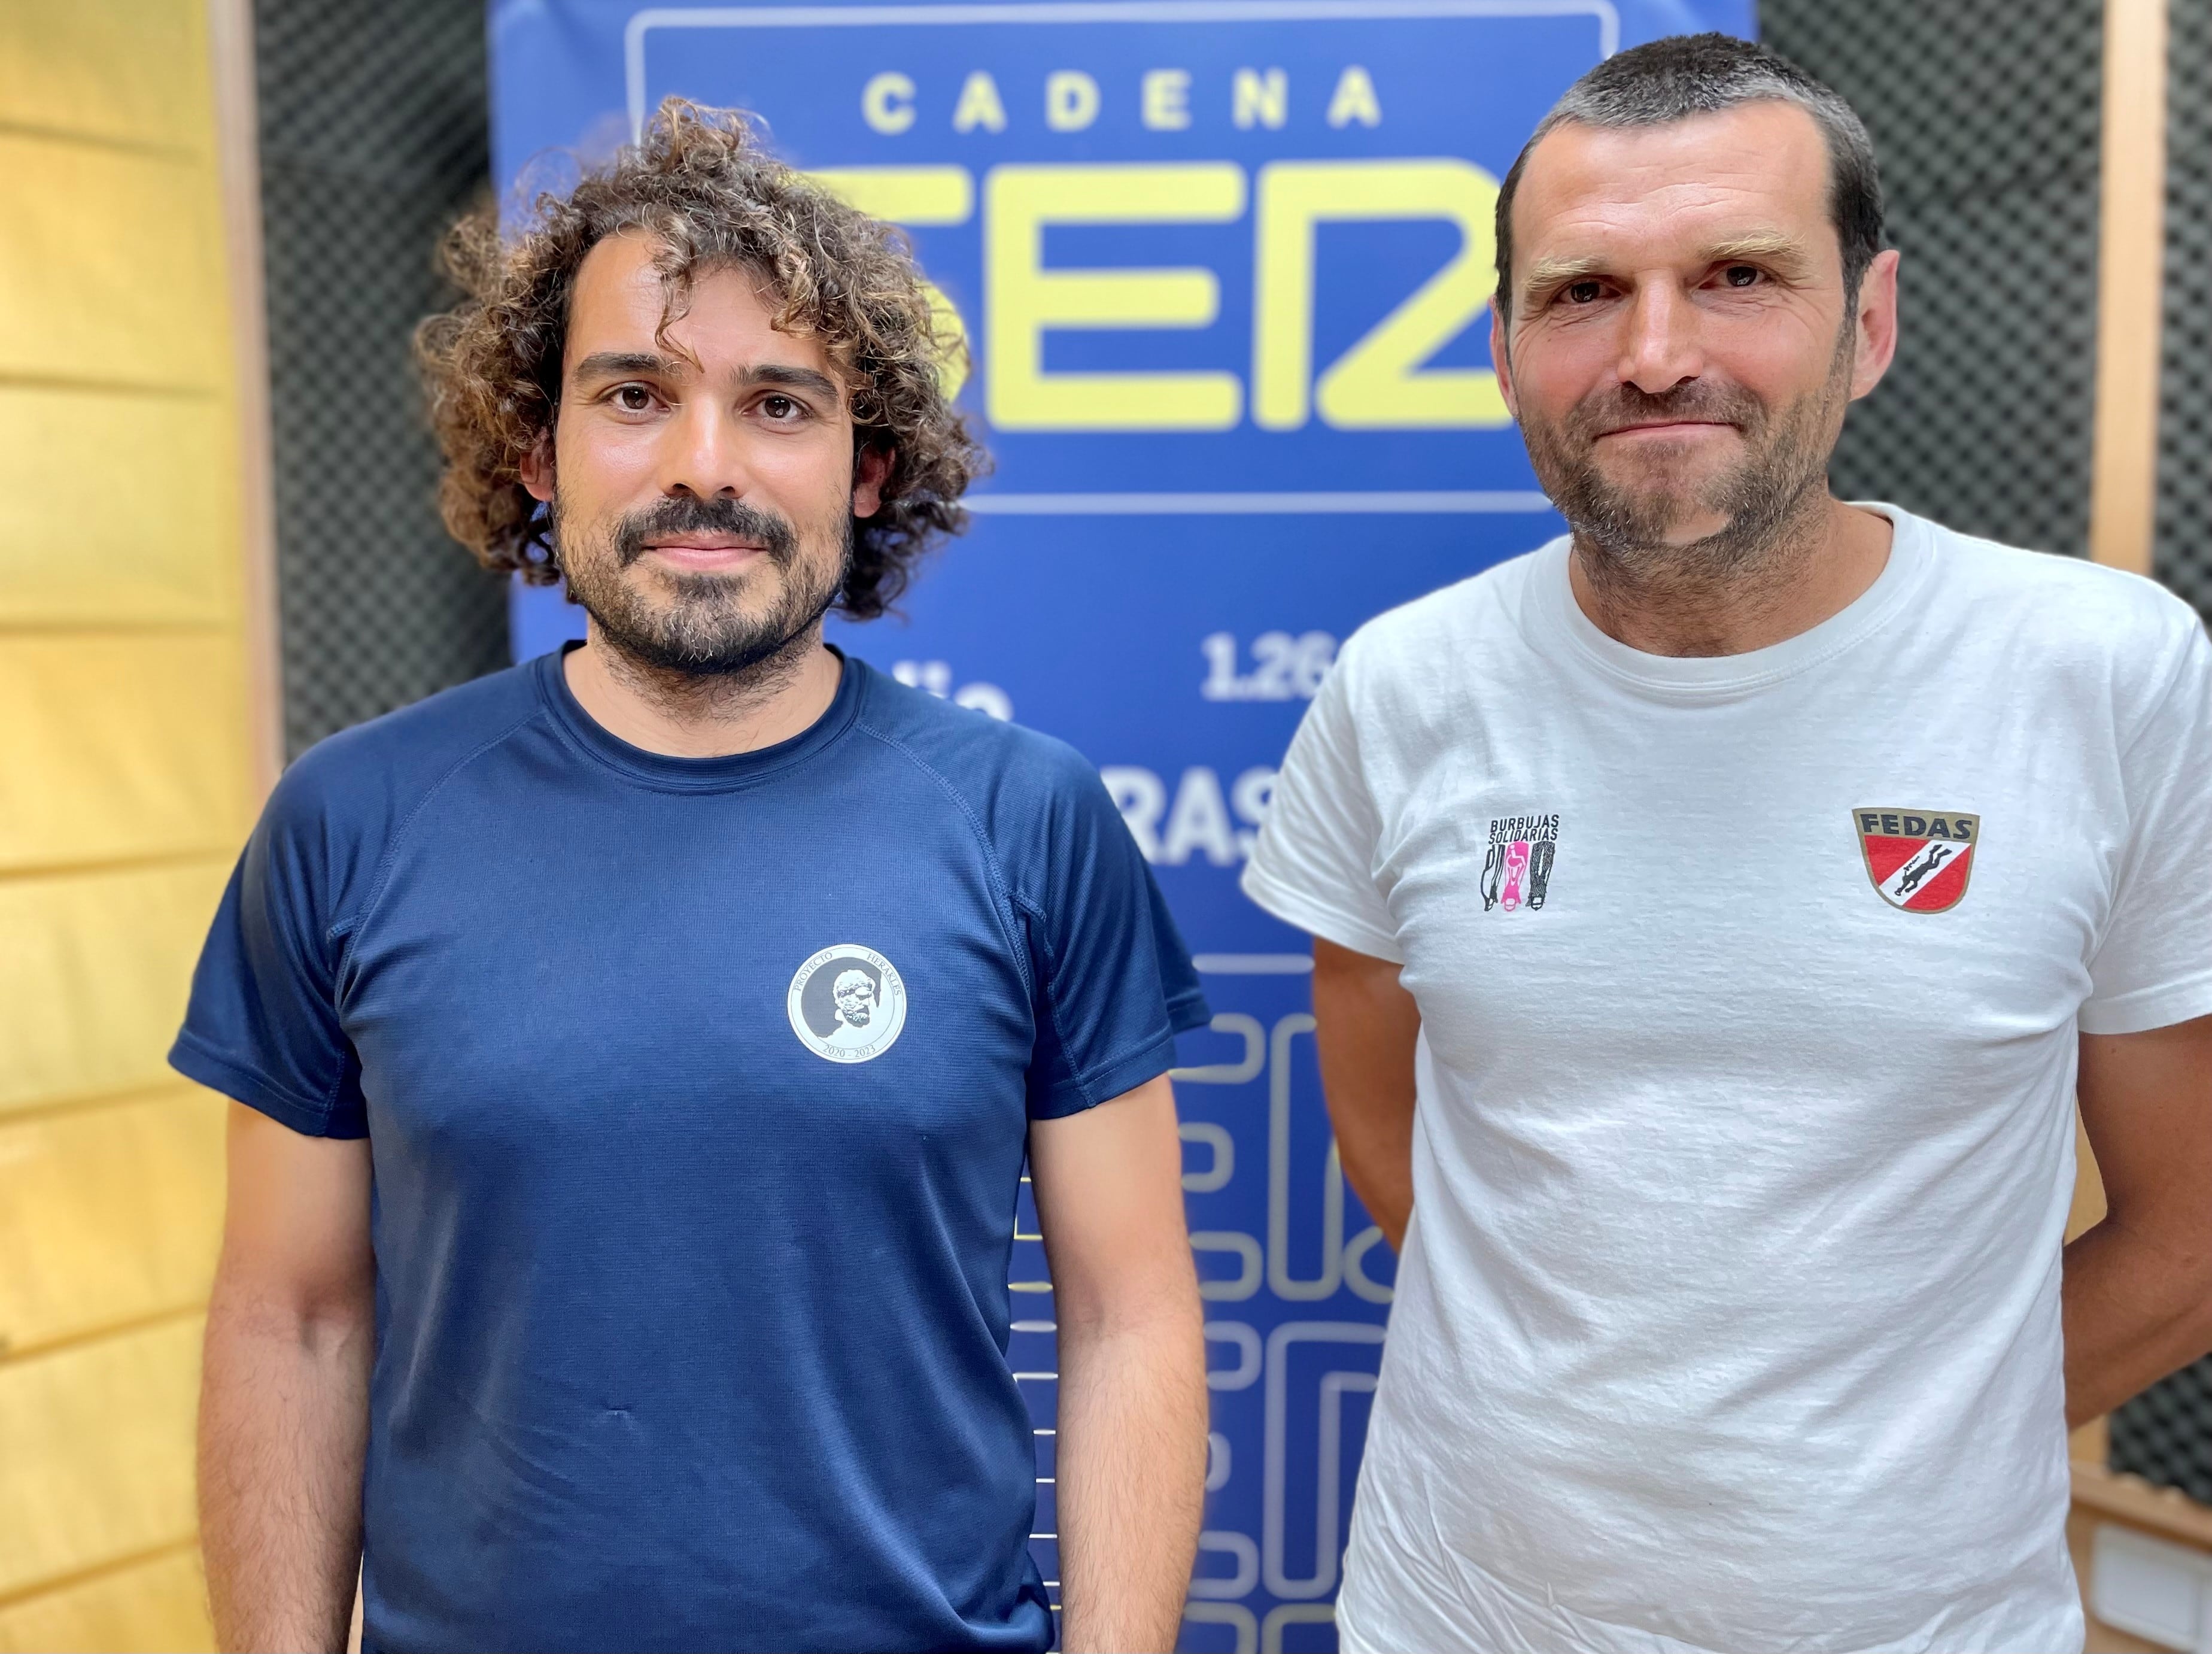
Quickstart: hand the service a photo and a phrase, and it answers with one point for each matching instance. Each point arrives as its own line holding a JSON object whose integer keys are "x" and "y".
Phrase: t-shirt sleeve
{"x": 2153, "y": 966}
{"x": 1115, "y": 984}
{"x": 262, "y": 1025}
{"x": 1314, "y": 867}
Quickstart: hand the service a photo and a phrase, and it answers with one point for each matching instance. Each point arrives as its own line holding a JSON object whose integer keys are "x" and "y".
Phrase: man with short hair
{"x": 1714, "y": 913}
{"x": 623, "y": 1190}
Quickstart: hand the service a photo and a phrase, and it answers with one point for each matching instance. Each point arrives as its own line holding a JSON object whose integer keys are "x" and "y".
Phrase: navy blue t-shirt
{"x": 696, "y": 1092}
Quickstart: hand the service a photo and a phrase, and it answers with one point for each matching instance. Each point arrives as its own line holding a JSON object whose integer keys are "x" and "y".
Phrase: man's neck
{"x": 1823, "y": 560}
{"x": 689, "y": 715}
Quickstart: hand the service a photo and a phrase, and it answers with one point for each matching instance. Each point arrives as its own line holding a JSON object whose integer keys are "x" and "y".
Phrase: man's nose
{"x": 706, "y": 455}
{"x": 1662, "y": 348}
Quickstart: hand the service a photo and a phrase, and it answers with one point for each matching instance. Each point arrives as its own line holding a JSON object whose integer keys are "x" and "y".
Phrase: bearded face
{"x": 702, "y": 621}
{"x": 703, "y": 478}
{"x": 856, "y": 998}
{"x": 1682, "y": 339}
{"x": 1649, "y": 499}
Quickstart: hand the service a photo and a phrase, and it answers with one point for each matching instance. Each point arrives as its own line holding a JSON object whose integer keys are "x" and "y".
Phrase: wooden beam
{"x": 2130, "y": 267}
{"x": 238, "y": 144}
{"x": 2164, "y": 1511}
{"x": 2123, "y": 454}
{"x": 2092, "y": 1442}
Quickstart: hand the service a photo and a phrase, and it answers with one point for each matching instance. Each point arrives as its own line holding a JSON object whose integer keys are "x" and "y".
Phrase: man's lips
{"x": 1663, "y": 428}
{"x": 713, "y": 552}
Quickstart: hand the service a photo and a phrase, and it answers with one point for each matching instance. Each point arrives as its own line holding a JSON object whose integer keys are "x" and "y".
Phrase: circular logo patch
{"x": 846, "y": 1003}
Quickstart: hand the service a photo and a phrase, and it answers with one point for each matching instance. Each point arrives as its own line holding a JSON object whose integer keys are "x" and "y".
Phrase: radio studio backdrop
{"x": 1224, "y": 267}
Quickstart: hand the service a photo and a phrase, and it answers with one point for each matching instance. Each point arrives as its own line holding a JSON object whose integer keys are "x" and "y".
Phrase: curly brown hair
{"x": 701, "y": 183}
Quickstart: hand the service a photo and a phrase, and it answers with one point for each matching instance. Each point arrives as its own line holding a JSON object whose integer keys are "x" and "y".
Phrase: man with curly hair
{"x": 604, "y": 1269}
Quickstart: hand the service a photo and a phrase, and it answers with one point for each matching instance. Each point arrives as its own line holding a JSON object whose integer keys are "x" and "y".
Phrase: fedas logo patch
{"x": 1919, "y": 859}
{"x": 846, "y": 1003}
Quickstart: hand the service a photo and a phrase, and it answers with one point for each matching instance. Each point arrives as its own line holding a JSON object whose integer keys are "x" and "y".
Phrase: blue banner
{"x": 1224, "y": 267}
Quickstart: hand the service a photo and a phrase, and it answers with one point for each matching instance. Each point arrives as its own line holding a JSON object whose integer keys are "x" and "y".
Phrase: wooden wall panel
{"x": 127, "y": 776}
{"x": 115, "y": 509}
{"x": 158, "y": 1602}
{"x": 2130, "y": 268}
{"x": 108, "y": 1215}
{"x": 96, "y": 1452}
{"x": 115, "y": 71}
{"x": 131, "y": 293}
{"x": 94, "y": 974}
{"x": 119, "y": 747}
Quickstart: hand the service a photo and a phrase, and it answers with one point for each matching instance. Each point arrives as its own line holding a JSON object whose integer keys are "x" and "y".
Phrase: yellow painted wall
{"x": 125, "y": 787}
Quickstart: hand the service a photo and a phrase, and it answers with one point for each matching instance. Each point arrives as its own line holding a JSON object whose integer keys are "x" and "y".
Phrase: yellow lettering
{"x": 919, "y": 197}
{"x": 1025, "y": 298}
{"x": 1354, "y": 99}
{"x": 1378, "y": 384}
{"x": 887, "y": 102}
{"x": 979, "y": 104}
{"x": 1071, "y": 100}
{"x": 1166, "y": 99}
{"x": 1257, "y": 100}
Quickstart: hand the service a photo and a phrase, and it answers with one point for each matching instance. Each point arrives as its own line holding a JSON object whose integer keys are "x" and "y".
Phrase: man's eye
{"x": 1742, "y": 274}
{"x": 779, "y": 408}
{"x": 633, "y": 398}
{"x": 1582, "y": 292}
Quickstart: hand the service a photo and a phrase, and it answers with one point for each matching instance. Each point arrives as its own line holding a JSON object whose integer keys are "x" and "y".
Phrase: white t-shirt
{"x": 1749, "y": 987}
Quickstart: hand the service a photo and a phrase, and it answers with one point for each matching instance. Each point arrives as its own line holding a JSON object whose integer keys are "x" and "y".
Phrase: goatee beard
{"x": 1759, "y": 502}
{"x": 704, "y": 633}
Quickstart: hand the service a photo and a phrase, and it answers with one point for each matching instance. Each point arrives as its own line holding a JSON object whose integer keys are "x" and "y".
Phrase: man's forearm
{"x": 283, "y": 1426}
{"x": 1132, "y": 1480}
{"x": 1378, "y": 1163}
{"x": 2134, "y": 1311}
{"x": 1367, "y": 1026}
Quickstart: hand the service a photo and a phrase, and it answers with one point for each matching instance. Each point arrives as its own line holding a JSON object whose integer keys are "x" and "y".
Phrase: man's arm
{"x": 1365, "y": 1024}
{"x": 1132, "y": 1414}
{"x": 2138, "y": 1286}
{"x": 285, "y": 1390}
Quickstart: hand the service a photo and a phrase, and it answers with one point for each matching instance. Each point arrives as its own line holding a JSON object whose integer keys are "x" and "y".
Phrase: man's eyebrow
{"x": 1550, "y": 272}
{"x": 800, "y": 379}
{"x": 614, "y": 364}
{"x": 1773, "y": 246}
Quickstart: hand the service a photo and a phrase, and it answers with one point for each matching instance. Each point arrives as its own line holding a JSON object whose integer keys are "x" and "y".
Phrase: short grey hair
{"x": 1685, "y": 75}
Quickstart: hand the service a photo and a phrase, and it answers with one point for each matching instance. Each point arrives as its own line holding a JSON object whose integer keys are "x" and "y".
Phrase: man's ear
{"x": 537, "y": 468}
{"x": 869, "y": 468}
{"x": 1497, "y": 359}
{"x": 1875, "y": 323}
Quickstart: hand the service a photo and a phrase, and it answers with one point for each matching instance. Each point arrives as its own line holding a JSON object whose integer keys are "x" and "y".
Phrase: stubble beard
{"x": 701, "y": 637}
{"x": 1766, "y": 502}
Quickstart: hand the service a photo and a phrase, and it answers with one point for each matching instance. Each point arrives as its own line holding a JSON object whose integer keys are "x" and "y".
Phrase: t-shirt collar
{"x": 1556, "y": 615}
{"x": 675, "y": 774}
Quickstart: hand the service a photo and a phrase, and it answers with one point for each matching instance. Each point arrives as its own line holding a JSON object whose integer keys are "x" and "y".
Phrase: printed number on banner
{"x": 1284, "y": 668}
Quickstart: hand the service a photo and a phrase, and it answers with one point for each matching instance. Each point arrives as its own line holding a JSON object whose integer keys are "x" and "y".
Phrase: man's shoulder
{"x": 1033, "y": 802}
{"x": 2089, "y": 636}
{"x": 2056, "y": 599}
{"x": 373, "y": 773}
{"x": 989, "y": 763}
